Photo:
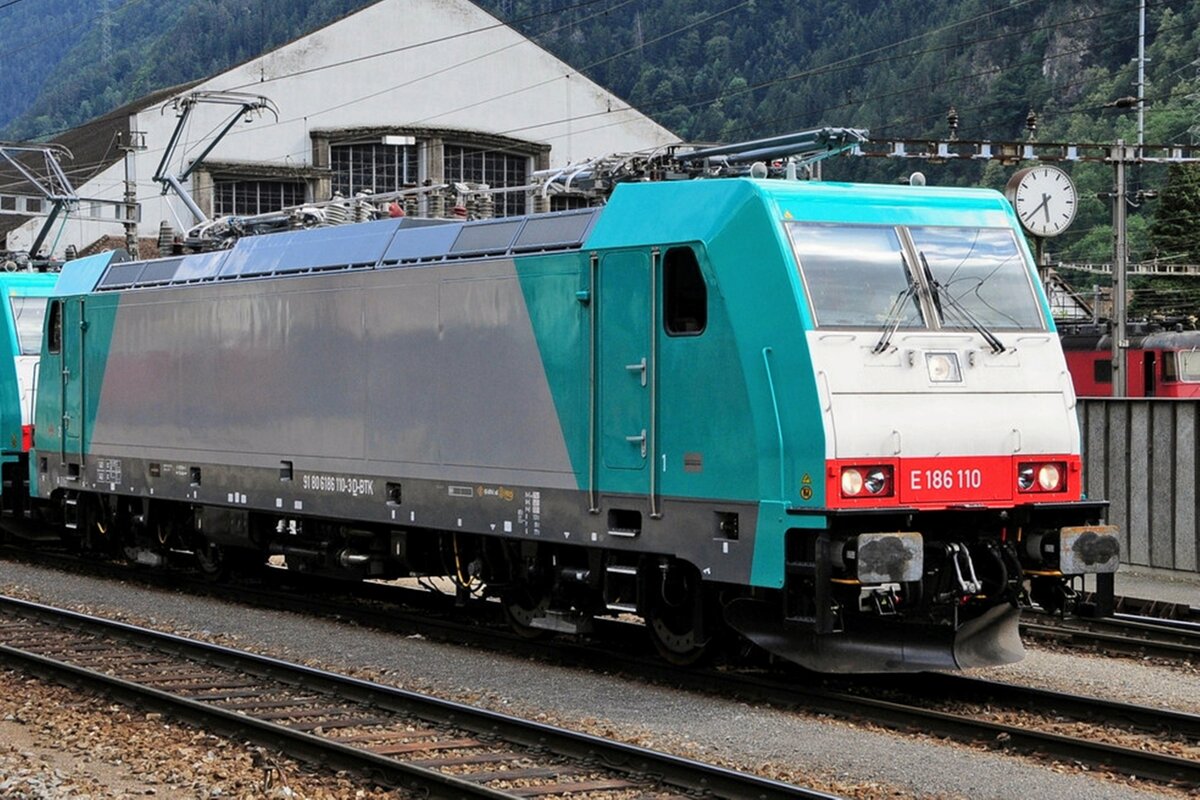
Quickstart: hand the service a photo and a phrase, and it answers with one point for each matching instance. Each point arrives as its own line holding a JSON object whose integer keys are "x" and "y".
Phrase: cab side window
{"x": 54, "y": 340}
{"x": 685, "y": 295}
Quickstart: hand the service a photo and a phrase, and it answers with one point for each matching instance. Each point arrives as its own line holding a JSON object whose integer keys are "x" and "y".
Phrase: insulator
{"x": 486, "y": 206}
{"x": 437, "y": 205}
{"x": 541, "y": 203}
{"x": 336, "y": 213}
{"x": 166, "y": 238}
{"x": 411, "y": 206}
{"x": 363, "y": 210}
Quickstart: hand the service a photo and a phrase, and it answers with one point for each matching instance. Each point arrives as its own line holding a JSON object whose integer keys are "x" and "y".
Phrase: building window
{"x": 244, "y": 198}
{"x": 372, "y": 168}
{"x": 569, "y": 202}
{"x": 497, "y": 170}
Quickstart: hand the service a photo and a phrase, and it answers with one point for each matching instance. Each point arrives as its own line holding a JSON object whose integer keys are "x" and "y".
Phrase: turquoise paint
{"x": 714, "y": 395}
{"x": 703, "y": 405}
{"x": 731, "y": 394}
{"x": 76, "y": 395}
{"x": 770, "y": 537}
{"x": 81, "y": 275}
{"x": 622, "y": 301}
{"x": 15, "y": 285}
{"x": 557, "y": 296}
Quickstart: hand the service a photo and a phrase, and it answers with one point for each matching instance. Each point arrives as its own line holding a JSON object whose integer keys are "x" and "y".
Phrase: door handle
{"x": 640, "y": 367}
{"x": 638, "y": 439}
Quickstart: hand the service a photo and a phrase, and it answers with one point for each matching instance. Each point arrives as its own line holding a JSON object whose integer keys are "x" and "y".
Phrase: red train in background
{"x": 1162, "y": 360}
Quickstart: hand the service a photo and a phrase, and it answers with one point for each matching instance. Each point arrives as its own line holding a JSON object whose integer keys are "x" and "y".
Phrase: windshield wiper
{"x": 895, "y": 314}
{"x": 939, "y": 294}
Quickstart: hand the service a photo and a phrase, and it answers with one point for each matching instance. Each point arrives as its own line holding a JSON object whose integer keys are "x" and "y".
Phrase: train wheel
{"x": 524, "y": 605}
{"x": 212, "y": 560}
{"x": 675, "y": 616}
{"x": 218, "y": 563}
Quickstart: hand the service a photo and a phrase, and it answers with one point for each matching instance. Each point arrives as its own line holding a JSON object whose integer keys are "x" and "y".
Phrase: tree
{"x": 1175, "y": 231}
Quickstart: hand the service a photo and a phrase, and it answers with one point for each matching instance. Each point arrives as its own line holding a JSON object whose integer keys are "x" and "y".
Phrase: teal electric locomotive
{"x": 832, "y": 419}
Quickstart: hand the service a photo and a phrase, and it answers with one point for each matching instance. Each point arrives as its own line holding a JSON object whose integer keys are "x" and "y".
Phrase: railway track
{"x": 396, "y": 737}
{"x": 953, "y": 706}
{"x": 1123, "y": 633}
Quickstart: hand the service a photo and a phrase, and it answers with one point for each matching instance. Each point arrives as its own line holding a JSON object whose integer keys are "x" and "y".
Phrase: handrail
{"x": 766, "y": 353}
{"x": 655, "y": 513}
{"x": 594, "y": 300}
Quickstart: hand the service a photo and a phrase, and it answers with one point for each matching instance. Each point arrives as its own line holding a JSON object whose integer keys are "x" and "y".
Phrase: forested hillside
{"x": 67, "y": 61}
{"x": 718, "y": 70}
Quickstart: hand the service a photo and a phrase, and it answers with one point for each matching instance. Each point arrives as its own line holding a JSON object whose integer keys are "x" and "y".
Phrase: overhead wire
{"x": 58, "y": 32}
{"x": 416, "y": 45}
{"x": 844, "y": 64}
{"x": 829, "y": 69}
{"x": 847, "y": 63}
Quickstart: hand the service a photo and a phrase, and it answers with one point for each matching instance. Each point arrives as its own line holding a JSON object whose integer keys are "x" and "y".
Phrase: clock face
{"x": 1044, "y": 199}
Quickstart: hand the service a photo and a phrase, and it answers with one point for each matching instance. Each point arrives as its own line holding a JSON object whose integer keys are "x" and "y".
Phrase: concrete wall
{"x": 1142, "y": 455}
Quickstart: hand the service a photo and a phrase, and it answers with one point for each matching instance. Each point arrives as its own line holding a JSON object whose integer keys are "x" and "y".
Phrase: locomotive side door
{"x": 625, "y": 362}
{"x": 71, "y": 342}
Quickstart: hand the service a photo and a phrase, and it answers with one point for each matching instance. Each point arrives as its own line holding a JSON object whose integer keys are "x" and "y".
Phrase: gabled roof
{"x": 94, "y": 145}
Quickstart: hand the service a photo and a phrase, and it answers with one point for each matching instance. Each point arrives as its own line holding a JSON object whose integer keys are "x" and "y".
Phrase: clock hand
{"x": 1043, "y": 204}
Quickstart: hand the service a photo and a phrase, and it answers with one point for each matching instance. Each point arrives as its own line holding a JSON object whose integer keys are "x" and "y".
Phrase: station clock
{"x": 1044, "y": 198}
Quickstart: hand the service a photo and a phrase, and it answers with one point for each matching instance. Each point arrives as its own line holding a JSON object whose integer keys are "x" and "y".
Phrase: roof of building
{"x": 94, "y": 147}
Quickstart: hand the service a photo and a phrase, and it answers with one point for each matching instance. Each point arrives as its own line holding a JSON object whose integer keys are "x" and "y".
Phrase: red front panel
{"x": 940, "y": 482}
{"x": 956, "y": 479}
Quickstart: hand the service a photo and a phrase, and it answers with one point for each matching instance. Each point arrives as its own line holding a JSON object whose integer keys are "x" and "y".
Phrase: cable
{"x": 415, "y": 45}
{"x": 59, "y": 32}
{"x": 521, "y": 42}
{"x": 605, "y": 60}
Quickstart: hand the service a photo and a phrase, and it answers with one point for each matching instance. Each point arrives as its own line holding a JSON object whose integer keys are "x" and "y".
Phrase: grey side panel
{"x": 429, "y": 372}
{"x": 239, "y": 369}
{"x": 402, "y": 378}
{"x": 455, "y": 376}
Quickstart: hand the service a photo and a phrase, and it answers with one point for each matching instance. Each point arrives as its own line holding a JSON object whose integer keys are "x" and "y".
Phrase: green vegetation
{"x": 722, "y": 70}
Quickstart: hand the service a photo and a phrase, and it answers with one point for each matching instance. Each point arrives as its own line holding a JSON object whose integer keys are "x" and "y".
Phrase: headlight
{"x": 875, "y": 481}
{"x": 1025, "y": 477}
{"x": 1047, "y": 476}
{"x": 943, "y": 367}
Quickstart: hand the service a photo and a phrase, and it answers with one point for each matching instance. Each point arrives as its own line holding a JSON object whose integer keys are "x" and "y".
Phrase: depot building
{"x": 402, "y": 93}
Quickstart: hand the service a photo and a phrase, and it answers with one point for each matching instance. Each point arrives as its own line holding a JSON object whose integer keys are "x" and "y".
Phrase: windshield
{"x": 1189, "y": 365}
{"x": 983, "y": 269}
{"x": 28, "y": 314}
{"x": 858, "y": 276}
{"x": 855, "y": 275}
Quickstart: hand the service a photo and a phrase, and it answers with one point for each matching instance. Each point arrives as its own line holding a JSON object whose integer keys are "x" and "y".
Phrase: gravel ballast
{"x": 830, "y": 754}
